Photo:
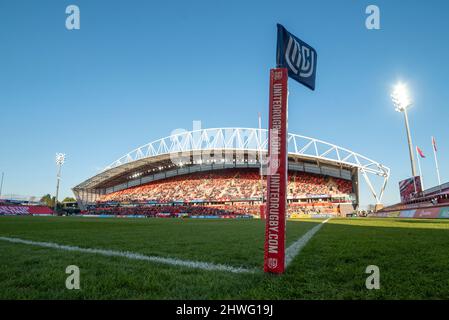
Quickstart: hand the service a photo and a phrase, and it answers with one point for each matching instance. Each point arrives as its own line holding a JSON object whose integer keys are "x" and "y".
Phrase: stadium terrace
{"x": 221, "y": 168}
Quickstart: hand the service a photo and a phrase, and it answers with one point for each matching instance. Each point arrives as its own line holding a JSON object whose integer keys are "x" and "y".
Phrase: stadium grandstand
{"x": 218, "y": 172}
{"x": 430, "y": 203}
{"x": 13, "y": 204}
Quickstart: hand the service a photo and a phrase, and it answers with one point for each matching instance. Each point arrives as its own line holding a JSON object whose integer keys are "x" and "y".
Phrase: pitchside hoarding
{"x": 444, "y": 213}
{"x": 25, "y": 210}
{"x": 427, "y": 213}
{"x": 276, "y": 206}
{"x": 407, "y": 214}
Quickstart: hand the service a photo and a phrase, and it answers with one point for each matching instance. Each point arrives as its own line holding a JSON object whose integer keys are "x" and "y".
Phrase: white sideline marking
{"x": 135, "y": 256}
{"x": 294, "y": 249}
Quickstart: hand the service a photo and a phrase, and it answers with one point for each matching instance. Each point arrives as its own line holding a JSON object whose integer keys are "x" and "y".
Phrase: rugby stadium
{"x": 199, "y": 172}
{"x": 198, "y": 218}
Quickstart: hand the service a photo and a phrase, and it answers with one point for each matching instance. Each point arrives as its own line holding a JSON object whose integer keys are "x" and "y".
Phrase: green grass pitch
{"x": 413, "y": 257}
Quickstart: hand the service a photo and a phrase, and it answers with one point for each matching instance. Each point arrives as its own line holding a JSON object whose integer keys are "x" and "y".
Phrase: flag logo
{"x": 272, "y": 263}
{"x": 300, "y": 59}
{"x": 297, "y": 56}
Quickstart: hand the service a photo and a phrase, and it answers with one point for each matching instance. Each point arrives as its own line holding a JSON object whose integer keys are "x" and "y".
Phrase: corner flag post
{"x": 276, "y": 202}
{"x": 297, "y": 60}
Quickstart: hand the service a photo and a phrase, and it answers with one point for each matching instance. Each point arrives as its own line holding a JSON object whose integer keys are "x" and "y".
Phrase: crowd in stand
{"x": 312, "y": 208}
{"x": 209, "y": 210}
{"x": 303, "y": 184}
{"x": 226, "y": 185}
{"x": 218, "y": 186}
{"x": 175, "y": 210}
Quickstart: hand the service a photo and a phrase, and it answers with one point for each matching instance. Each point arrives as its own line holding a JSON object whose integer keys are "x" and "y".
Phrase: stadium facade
{"x": 187, "y": 153}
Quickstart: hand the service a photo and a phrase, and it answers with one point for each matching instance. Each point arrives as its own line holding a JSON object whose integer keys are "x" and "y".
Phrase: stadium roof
{"x": 236, "y": 140}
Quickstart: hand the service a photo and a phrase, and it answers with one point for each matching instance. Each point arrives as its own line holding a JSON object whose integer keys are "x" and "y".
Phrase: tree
{"x": 48, "y": 200}
{"x": 69, "y": 199}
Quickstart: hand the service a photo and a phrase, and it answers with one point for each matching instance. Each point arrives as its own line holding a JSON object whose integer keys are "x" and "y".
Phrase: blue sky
{"x": 136, "y": 70}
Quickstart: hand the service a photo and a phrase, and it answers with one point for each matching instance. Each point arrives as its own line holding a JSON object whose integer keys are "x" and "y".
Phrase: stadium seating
{"x": 235, "y": 209}
{"x": 226, "y": 185}
{"x": 191, "y": 210}
{"x": 312, "y": 208}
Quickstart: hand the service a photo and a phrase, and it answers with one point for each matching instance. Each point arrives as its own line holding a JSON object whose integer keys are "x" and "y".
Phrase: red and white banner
{"x": 276, "y": 207}
{"x": 24, "y": 210}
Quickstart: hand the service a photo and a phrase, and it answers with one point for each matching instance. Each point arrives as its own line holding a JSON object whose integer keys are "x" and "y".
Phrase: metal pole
{"x": 410, "y": 145}
{"x": 436, "y": 163}
{"x": 419, "y": 167}
{"x": 57, "y": 188}
{"x": 1, "y": 185}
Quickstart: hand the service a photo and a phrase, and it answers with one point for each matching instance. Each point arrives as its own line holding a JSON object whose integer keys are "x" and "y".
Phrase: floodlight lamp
{"x": 60, "y": 158}
{"x": 400, "y": 97}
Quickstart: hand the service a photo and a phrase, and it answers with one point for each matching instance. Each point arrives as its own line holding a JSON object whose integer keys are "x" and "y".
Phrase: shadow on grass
{"x": 423, "y": 221}
{"x": 413, "y": 262}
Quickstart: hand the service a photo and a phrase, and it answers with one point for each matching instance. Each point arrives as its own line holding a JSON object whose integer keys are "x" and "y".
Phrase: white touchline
{"x": 293, "y": 250}
{"x": 135, "y": 256}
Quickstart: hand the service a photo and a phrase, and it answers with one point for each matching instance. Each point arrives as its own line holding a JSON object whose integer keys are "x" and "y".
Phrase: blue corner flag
{"x": 297, "y": 56}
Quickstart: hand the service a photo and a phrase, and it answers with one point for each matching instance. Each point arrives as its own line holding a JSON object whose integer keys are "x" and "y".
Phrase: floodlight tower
{"x": 402, "y": 102}
{"x": 1, "y": 184}
{"x": 60, "y": 158}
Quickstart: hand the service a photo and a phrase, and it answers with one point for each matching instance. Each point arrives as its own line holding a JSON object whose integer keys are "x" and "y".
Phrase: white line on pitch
{"x": 135, "y": 256}
{"x": 296, "y": 247}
